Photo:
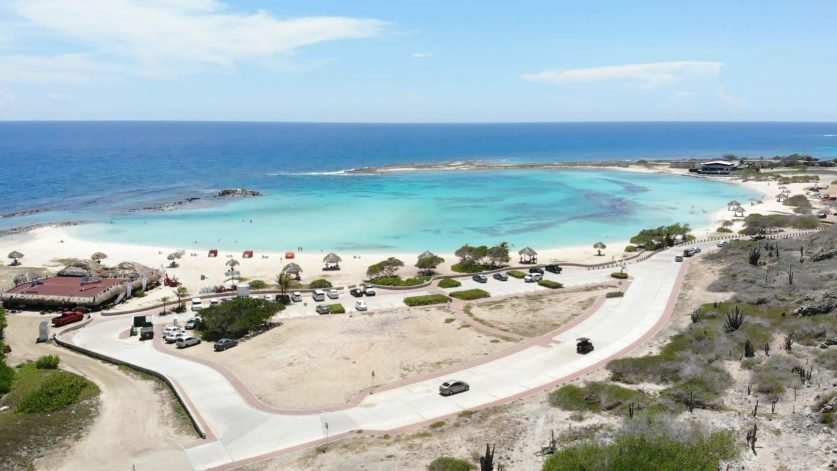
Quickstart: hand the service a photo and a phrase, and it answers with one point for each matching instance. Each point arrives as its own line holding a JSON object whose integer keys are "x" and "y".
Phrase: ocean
{"x": 103, "y": 172}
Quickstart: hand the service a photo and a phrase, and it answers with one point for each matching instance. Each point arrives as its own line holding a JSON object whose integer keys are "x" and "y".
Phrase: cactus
{"x": 487, "y": 461}
{"x": 749, "y": 351}
{"x": 755, "y": 256}
{"x": 789, "y": 340}
{"x": 696, "y": 316}
{"x": 751, "y": 438}
{"x": 790, "y": 275}
{"x": 734, "y": 320}
{"x": 767, "y": 349}
{"x": 631, "y": 410}
{"x": 756, "y": 408}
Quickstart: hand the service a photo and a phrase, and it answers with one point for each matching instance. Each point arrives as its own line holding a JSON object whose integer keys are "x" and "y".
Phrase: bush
{"x": 258, "y": 284}
{"x": 516, "y": 274}
{"x": 594, "y": 397}
{"x": 446, "y": 463}
{"x": 630, "y": 248}
{"x": 322, "y": 283}
{"x": 619, "y": 275}
{"x": 426, "y": 300}
{"x": 629, "y": 452}
{"x": 7, "y": 375}
{"x": 236, "y": 318}
{"x": 336, "y": 309}
{"x": 550, "y": 284}
{"x": 800, "y": 201}
{"x": 470, "y": 294}
{"x": 614, "y": 294}
{"x": 397, "y": 281}
{"x": 467, "y": 268}
{"x": 58, "y": 391}
{"x": 138, "y": 293}
{"x": 47, "y": 362}
{"x": 828, "y": 359}
{"x": 449, "y": 283}
{"x": 723, "y": 230}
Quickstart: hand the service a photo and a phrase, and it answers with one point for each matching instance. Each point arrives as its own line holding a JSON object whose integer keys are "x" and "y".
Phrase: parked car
{"x": 451, "y": 387}
{"x": 184, "y": 342}
{"x": 583, "y": 346}
{"x": 269, "y": 297}
{"x": 688, "y": 252}
{"x": 480, "y": 278}
{"x": 361, "y": 306}
{"x": 196, "y": 304}
{"x": 533, "y": 278}
{"x": 333, "y": 294}
{"x": 296, "y": 297}
{"x": 322, "y": 309}
{"x": 224, "y": 344}
{"x": 318, "y": 295}
{"x": 553, "y": 268}
{"x": 356, "y": 292}
{"x": 193, "y": 323}
{"x": 678, "y": 258}
{"x": 67, "y": 317}
{"x": 171, "y": 328}
{"x": 173, "y": 336}
{"x": 722, "y": 243}
{"x": 501, "y": 276}
{"x": 536, "y": 270}
{"x": 696, "y": 250}
{"x": 369, "y": 291}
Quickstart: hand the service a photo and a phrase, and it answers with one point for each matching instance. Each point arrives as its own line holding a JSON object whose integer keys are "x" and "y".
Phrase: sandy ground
{"x": 135, "y": 427}
{"x": 534, "y": 315}
{"x": 323, "y": 361}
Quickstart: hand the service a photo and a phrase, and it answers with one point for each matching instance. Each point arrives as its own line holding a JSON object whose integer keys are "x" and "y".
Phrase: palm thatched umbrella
{"x": 15, "y": 255}
{"x": 739, "y": 211}
{"x": 426, "y": 254}
{"x": 599, "y": 246}
{"x": 332, "y": 259}
{"x": 99, "y": 256}
{"x": 292, "y": 269}
{"x": 180, "y": 253}
{"x": 232, "y": 263}
{"x": 732, "y": 204}
{"x": 528, "y": 255}
{"x": 781, "y": 197}
{"x": 172, "y": 257}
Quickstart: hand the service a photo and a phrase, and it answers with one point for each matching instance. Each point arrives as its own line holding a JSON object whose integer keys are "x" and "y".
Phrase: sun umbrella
{"x": 14, "y": 255}
{"x": 99, "y": 256}
{"x": 599, "y": 246}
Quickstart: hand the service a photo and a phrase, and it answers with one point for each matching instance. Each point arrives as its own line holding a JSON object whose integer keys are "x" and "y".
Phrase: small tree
{"x": 165, "y": 301}
{"x": 284, "y": 280}
{"x": 181, "y": 292}
{"x": 498, "y": 255}
{"x": 427, "y": 265}
{"x": 384, "y": 269}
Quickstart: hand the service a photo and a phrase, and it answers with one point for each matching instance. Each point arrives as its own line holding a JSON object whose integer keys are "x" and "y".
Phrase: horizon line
{"x": 4, "y": 121}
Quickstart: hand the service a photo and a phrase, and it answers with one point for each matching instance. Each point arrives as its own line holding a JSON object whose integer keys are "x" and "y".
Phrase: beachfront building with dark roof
{"x": 718, "y": 167}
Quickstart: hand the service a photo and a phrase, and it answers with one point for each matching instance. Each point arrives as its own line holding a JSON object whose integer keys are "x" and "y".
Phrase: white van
{"x": 318, "y": 295}
{"x": 196, "y": 304}
{"x": 214, "y": 302}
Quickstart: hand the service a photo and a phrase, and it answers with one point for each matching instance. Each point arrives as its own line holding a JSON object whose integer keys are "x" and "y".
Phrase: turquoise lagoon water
{"x": 438, "y": 211}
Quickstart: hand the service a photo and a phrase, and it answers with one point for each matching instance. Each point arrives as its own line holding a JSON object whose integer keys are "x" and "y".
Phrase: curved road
{"x": 241, "y": 430}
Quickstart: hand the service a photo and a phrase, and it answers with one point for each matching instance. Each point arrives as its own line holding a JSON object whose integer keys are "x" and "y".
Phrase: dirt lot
{"x": 534, "y": 315}
{"x": 323, "y": 361}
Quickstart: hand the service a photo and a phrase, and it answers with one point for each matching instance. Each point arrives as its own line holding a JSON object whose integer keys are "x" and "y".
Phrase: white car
{"x": 184, "y": 342}
{"x": 268, "y": 297}
{"x": 296, "y": 297}
{"x": 174, "y": 336}
{"x": 533, "y": 278}
{"x": 196, "y": 304}
{"x": 370, "y": 291}
{"x": 318, "y": 295}
{"x": 333, "y": 294}
{"x": 361, "y": 306}
{"x": 171, "y": 328}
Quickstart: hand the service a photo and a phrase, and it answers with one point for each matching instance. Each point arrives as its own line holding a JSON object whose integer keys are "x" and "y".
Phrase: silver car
{"x": 452, "y": 387}
{"x": 333, "y": 294}
{"x": 184, "y": 342}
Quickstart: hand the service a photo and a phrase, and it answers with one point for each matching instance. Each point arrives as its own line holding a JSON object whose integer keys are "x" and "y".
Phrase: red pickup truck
{"x": 67, "y": 317}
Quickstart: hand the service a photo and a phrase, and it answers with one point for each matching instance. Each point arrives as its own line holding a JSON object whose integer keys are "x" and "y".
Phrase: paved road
{"x": 242, "y": 430}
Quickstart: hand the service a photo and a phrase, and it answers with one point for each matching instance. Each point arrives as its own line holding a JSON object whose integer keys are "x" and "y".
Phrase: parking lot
{"x": 569, "y": 277}
{"x": 382, "y": 300}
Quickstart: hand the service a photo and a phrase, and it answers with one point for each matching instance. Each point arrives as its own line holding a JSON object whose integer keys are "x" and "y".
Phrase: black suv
{"x": 480, "y": 278}
{"x": 554, "y": 269}
{"x": 224, "y": 344}
{"x": 536, "y": 270}
{"x": 356, "y": 292}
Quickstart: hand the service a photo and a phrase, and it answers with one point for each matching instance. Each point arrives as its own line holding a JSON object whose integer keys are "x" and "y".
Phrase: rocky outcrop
{"x": 823, "y": 254}
{"x": 237, "y": 192}
{"x": 817, "y": 303}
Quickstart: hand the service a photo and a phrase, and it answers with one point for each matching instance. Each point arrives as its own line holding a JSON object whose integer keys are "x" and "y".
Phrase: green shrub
{"x": 516, "y": 274}
{"x": 594, "y": 397}
{"x": 7, "y": 375}
{"x": 138, "y": 293}
{"x": 449, "y": 283}
{"x": 467, "y": 268}
{"x": 426, "y": 300}
{"x": 630, "y": 452}
{"x": 322, "y": 283}
{"x": 336, "y": 309}
{"x": 619, "y": 275}
{"x": 236, "y": 318}
{"x": 397, "y": 281}
{"x": 446, "y": 463}
{"x": 550, "y": 284}
{"x": 614, "y": 294}
{"x": 47, "y": 362}
{"x": 723, "y": 230}
{"x": 797, "y": 201}
{"x": 630, "y": 248}
{"x": 258, "y": 284}
{"x": 470, "y": 294}
{"x": 58, "y": 391}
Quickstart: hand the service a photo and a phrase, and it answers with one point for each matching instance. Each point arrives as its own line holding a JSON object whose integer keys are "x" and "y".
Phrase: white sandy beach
{"x": 43, "y": 247}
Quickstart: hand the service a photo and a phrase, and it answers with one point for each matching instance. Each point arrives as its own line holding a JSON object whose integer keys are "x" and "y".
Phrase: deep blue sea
{"x": 100, "y": 171}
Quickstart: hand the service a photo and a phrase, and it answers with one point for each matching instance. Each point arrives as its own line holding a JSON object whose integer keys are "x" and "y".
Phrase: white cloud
{"x": 169, "y": 37}
{"x": 422, "y": 54}
{"x": 649, "y": 75}
{"x": 730, "y": 99}
{"x": 59, "y": 68}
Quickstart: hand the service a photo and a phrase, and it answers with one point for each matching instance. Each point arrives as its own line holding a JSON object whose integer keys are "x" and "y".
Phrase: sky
{"x": 410, "y": 61}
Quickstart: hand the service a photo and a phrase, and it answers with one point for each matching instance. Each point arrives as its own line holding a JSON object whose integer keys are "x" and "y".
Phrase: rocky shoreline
{"x": 489, "y": 165}
{"x": 179, "y": 204}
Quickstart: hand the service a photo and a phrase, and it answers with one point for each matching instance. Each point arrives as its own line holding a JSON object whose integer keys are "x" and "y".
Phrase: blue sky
{"x": 430, "y": 61}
